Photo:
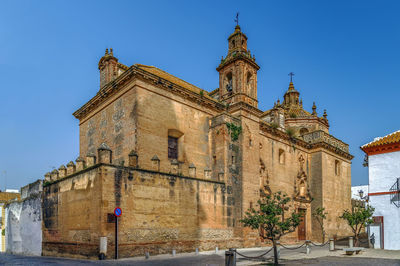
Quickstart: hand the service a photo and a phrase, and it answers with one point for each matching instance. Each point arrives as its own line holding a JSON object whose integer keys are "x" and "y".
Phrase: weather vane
{"x": 237, "y": 19}
{"x": 291, "y": 74}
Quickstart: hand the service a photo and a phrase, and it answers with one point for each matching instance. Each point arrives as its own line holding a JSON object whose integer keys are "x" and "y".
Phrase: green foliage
{"x": 234, "y": 131}
{"x": 46, "y": 183}
{"x": 201, "y": 93}
{"x": 270, "y": 217}
{"x": 3, "y": 232}
{"x": 290, "y": 131}
{"x": 357, "y": 219}
{"x": 274, "y": 125}
{"x": 320, "y": 215}
{"x": 293, "y": 115}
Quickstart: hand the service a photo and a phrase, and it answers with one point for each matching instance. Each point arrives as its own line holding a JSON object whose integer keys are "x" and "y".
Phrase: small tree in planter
{"x": 270, "y": 216}
{"x": 320, "y": 215}
{"x": 357, "y": 219}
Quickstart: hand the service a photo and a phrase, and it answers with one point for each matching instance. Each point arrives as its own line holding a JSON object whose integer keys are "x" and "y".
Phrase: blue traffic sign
{"x": 117, "y": 212}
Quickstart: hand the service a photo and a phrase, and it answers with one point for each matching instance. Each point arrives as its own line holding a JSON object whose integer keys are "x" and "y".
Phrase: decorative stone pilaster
{"x": 54, "y": 175}
{"x": 47, "y": 177}
{"x": 90, "y": 160}
{"x": 207, "y": 173}
{"x": 104, "y": 153}
{"x": 174, "y": 167}
{"x": 133, "y": 159}
{"x": 62, "y": 171}
{"x": 192, "y": 170}
{"x": 80, "y": 164}
{"x": 221, "y": 176}
{"x": 70, "y": 168}
{"x": 155, "y": 163}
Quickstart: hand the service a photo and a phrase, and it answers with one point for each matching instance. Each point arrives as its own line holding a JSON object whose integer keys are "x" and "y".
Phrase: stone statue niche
{"x": 301, "y": 187}
{"x": 264, "y": 180}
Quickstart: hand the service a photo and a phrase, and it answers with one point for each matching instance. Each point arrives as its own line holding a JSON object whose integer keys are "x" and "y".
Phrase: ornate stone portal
{"x": 301, "y": 186}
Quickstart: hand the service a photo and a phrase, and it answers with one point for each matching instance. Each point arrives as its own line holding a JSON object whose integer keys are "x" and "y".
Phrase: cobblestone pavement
{"x": 318, "y": 256}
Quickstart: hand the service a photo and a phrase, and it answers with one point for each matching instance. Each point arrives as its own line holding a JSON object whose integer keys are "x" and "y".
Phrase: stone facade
{"x": 184, "y": 164}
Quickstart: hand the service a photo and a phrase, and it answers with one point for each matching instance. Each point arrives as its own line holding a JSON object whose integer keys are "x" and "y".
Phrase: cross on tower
{"x": 237, "y": 19}
{"x": 291, "y": 74}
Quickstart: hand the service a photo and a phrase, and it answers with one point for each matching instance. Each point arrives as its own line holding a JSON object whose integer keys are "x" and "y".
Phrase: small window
{"x": 233, "y": 43}
{"x": 248, "y": 78}
{"x": 229, "y": 86}
{"x": 303, "y": 131}
{"x": 337, "y": 167}
{"x": 110, "y": 218}
{"x": 172, "y": 148}
{"x": 281, "y": 156}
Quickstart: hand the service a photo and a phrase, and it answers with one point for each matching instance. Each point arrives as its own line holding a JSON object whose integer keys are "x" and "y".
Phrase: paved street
{"x": 318, "y": 256}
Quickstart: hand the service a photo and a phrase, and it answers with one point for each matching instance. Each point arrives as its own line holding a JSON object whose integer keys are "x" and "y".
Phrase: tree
{"x": 320, "y": 215}
{"x": 270, "y": 217}
{"x": 357, "y": 219}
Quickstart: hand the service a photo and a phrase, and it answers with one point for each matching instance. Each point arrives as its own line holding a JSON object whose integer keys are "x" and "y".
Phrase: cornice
{"x": 242, "y": 105}
{"x": 238, "y": 56}
{"x": 135, "y": 72}
{"x": 276, "y": 132}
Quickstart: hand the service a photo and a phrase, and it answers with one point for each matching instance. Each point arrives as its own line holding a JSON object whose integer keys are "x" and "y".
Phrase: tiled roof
{"x": 165, "y": 75}
{"x": 388, "y": 139}
{"x": 298, "y": 111}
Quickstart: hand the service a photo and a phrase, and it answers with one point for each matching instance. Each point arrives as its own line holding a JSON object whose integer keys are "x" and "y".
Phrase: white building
{"x": 384, "y": 189}
{"x": 355, "y": 191}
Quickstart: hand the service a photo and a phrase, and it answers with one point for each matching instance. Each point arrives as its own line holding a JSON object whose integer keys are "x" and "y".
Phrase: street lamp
{"x": 361, "y": 194}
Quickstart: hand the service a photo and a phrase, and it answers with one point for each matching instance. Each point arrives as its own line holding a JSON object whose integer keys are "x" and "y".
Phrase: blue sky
{"x": 345, "y": 55}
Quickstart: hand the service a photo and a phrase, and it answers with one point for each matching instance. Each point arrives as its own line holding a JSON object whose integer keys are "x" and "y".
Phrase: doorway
{"x": 376, "y": 232}
{"x": 301, "y": 229}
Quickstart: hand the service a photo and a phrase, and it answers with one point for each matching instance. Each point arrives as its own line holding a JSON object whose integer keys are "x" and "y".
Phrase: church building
{"x": 184, "y": 164}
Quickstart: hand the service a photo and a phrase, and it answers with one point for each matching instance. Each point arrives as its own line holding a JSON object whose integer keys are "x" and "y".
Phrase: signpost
{"x": 117, "y": 213}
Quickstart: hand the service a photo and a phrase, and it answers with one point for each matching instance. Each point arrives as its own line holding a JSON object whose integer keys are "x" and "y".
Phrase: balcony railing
{"x": 321, "y": 136}
{"x": 395, "y": 195}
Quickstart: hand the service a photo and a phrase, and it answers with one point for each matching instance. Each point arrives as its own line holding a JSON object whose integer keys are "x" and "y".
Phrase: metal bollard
{"x": 197, "y": 251}
{"x": 351, "y": 242}
{"x": 173, "y": 253}
{"x": 308, "y": 248}
{"x": 147, "y": 254}
{"x": 230, "y": 257}
{"x": 278, "y": 250}
{"x": 331, "y": 245}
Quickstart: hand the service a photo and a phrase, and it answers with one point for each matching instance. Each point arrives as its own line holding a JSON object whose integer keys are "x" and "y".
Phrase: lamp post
{"x": 361, "y": 194}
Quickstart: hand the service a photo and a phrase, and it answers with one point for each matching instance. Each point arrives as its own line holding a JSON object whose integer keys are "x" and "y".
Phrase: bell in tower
{"x": 238, "y": 72}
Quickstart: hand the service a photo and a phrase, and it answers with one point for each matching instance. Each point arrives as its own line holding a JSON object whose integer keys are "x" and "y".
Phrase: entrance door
{"x": 376, "y": 229}
{"x": 301, "y": 229}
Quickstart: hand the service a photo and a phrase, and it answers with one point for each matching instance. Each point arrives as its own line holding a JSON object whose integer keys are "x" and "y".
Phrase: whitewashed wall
{"x": 384, "y": 169}
{"x": 355, "y": 189}
{"x": 24, "y": 222}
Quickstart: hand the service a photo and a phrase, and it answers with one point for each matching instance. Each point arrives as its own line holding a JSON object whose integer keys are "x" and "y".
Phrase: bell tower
{"x": 238, "y": 72}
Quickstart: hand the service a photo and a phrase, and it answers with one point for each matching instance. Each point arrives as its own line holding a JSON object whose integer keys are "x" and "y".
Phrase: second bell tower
{"x": 238, "y": 72}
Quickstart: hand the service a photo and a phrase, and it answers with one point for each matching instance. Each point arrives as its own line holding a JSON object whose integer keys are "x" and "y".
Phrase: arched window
{"x": 337, "y": 167}
{"x": 233, "y": 43}
{"x": 249, "y": 83}
{"x": 303, "y": 131}
{"x": 229, "y": 84}
{"x": 281, "y": 156}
